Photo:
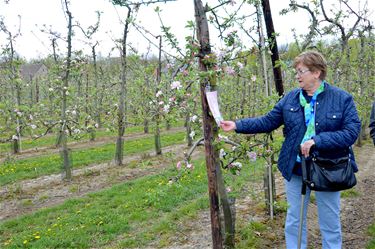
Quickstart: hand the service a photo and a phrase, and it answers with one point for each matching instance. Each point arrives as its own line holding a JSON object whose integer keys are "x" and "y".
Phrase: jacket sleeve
{"x": 372, "y": 122}
{"x": 266, "y": 123}
{"x": 348, "y": 132}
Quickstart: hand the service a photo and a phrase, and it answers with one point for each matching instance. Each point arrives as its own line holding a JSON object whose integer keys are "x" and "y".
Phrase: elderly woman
{"x": 315, "y": 114}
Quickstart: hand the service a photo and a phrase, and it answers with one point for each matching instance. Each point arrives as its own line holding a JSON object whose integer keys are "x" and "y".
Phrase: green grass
{"x": 350, "y": 193}
{"x": 16, "y": 170}
{"x": 128, "y": 215}
{"x": 371, "y": 231}
{"x": 50, "y": 139}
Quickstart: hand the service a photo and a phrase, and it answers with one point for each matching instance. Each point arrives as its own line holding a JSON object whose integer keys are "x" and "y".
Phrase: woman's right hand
{"x": 228, "y": 125}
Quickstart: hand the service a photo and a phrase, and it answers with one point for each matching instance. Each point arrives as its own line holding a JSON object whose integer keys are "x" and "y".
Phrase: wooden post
{"x": 273, "y": 46}
{"x": 208, "y": 125}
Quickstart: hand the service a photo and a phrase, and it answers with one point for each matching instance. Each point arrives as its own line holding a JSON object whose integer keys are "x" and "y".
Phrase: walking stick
{"x": 303, "y": 195}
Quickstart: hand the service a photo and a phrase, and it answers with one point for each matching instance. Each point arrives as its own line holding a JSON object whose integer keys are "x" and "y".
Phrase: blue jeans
{"x": 328, "y": 204}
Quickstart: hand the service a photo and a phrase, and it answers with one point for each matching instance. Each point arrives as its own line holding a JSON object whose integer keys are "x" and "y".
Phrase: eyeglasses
{"x": 300, "y": 72}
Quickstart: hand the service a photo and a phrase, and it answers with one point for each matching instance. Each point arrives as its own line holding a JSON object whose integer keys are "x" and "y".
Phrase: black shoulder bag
{"x": 326, "y": 174}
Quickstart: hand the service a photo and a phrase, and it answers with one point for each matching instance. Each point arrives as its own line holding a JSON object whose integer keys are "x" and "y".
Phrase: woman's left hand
{"x": 306, "y": 146}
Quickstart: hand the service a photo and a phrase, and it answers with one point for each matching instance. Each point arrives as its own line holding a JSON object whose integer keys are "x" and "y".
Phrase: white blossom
{"x": 166, "y": 108}
{"x": 253, "y": 78}
{"x": 176, "y": 85}
{"x": 76, "y": 131}
{"x": 240, "y": 65}
{"x": 221, "y": 137}
{"x": 50, "y": 89}
{"x": 33, "y": 126}
{"x": 237, "y": 164}
{"x": 192, "y": 134}
{"x": 74, "y": 112}
{"x": 189, "y": 166}
{"x": 158, "y": 93}
{"x": 193, "y": 118}
{"x": 222, "y": 153}
{"x": 14, "y": 137}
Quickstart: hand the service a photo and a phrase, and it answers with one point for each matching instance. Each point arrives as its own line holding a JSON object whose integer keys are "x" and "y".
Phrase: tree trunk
{"x": 97, "y": 107}
{"x": 210, "y": 132}
{"x": 269, "y": 189}
{"x": 158, "y": 116}
{"x": 229, "y": 211}
{"x": 67, "y": 174}
{"x": 188, "y": 129}
{"x": 122, "y": 108}
{"x": 157, "y": 137}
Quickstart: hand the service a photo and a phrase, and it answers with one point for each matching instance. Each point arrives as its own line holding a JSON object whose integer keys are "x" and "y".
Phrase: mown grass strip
{"x": 128, "y": 215}
{"x": 50, "y": 140}
{"x": 97, "y": 219}
{"x": 48, "y": 164}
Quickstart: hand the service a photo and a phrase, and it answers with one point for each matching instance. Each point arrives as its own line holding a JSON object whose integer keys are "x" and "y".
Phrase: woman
{"x": 315, "y": 114}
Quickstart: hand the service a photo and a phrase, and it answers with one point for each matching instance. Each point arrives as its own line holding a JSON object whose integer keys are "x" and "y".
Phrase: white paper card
{"x": 214, "y": 106}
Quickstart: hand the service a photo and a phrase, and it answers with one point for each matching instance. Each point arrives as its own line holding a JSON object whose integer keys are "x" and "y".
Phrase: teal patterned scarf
{"x": 309, "y": 114}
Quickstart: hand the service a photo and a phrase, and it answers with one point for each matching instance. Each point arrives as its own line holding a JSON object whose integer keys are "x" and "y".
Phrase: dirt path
{"x": 30, "y": 195}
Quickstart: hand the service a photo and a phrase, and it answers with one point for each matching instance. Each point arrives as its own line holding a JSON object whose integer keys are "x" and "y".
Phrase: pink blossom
{"x": 228, "y": 189}
{"x": 230, "y": 71}
{"x": 178, "y": 165}
{"x": 253, "y": 78}
{"x": 252, "y": 156}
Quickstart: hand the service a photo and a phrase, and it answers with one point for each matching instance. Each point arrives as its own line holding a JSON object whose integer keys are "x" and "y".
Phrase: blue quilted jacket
{"x": 336, "y": 125}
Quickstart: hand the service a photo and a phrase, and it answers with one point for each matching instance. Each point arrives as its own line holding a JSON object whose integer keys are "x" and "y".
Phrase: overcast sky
{"x": 35, "y": 13}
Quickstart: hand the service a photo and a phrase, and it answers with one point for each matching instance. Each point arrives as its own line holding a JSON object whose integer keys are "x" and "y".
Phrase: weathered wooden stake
{"x": 208, "y": 125}
{"x": 273, "y": 46}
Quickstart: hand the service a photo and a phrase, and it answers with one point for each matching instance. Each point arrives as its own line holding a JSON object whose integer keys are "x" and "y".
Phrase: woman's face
{"x": 308, "y": 80}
